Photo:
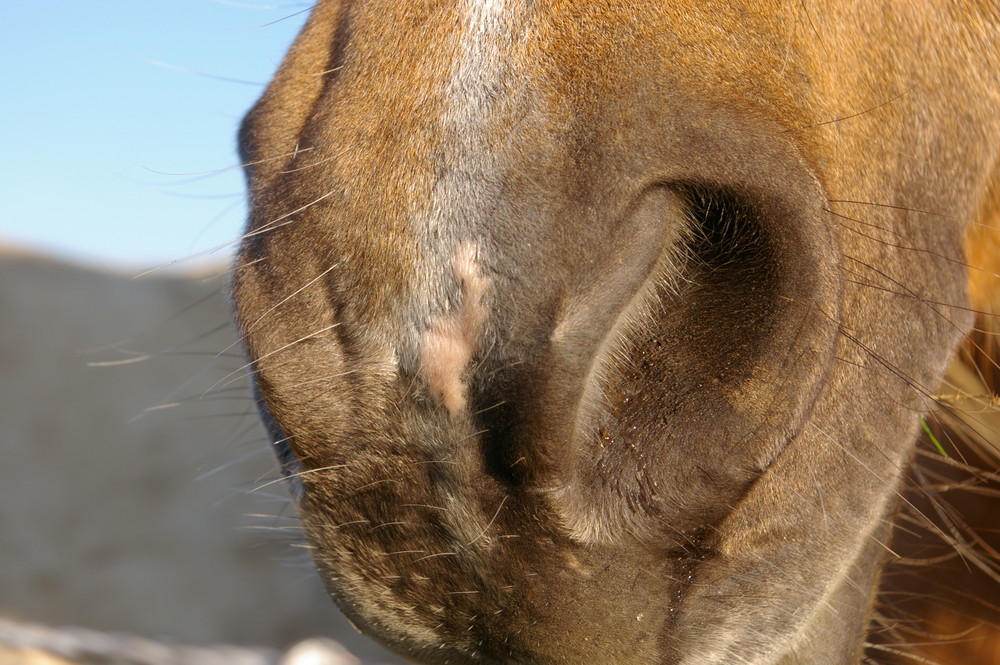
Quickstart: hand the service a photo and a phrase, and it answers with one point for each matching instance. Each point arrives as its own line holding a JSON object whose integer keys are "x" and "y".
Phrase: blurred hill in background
{"x": 136, "y": 487}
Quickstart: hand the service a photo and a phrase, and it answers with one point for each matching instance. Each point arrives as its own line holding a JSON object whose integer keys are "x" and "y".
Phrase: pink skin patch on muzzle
{"x": 447, "y": 347}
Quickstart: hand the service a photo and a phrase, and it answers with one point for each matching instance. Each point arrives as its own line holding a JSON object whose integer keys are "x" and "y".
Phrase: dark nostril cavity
{"x": 688, "y": 405}
{"x": 734, "y": 277}
{"x": 725, "y": 236}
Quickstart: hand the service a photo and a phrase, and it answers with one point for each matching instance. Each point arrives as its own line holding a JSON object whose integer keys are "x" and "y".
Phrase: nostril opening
{"x": 736, "y": 283}
{"x": 725, "y": 236}
{"x": 727, "y": 304}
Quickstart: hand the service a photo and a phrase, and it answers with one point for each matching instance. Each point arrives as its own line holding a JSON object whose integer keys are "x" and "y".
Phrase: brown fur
{"x": 724, "y": 249}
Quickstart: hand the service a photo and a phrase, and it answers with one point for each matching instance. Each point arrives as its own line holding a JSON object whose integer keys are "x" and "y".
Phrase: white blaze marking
{"x": 486, "y": 7}
{"x": 449, "y": 344}
{"x": 484, "y": 15}
{"x": 474, "y": 93}
{"x": 480, "y": 68}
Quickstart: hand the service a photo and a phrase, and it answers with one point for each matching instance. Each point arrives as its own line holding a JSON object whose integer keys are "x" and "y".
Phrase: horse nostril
{"x": 742, "y": 273}
{"x": 726, "y": 236}
{"x": 688, "y": 349}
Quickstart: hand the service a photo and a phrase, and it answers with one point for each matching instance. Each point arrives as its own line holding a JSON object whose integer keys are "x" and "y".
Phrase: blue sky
{"x": 115, "y": 110}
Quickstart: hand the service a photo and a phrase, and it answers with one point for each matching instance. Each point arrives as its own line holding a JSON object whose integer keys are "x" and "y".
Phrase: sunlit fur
{"x": 600, "y": 332}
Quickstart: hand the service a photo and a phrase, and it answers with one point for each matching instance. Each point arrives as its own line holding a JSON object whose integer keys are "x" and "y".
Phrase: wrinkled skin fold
{"x": 599, "y": 332}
